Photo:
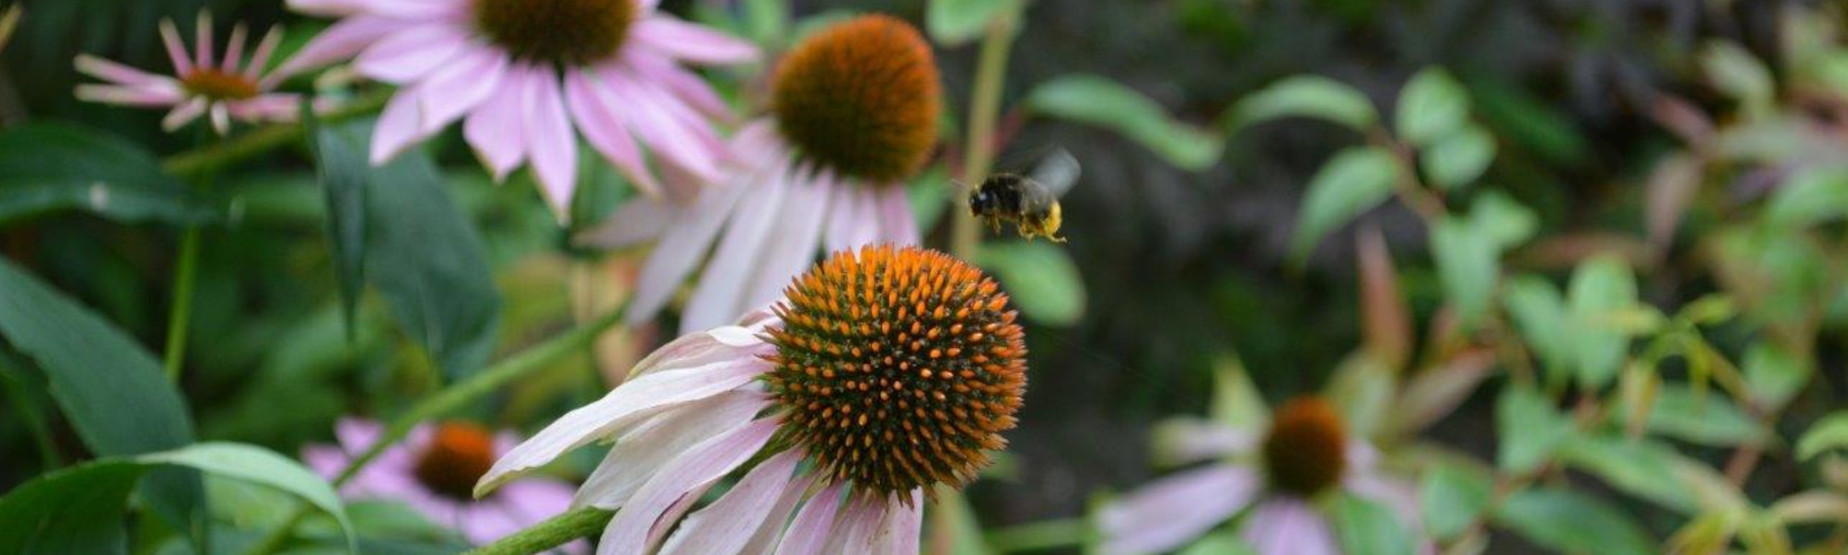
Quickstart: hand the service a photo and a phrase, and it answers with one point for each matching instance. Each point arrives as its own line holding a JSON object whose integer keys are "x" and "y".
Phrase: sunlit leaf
{"x": 49, "y": 167}
{"x": 1734, "y": 71}
{"x": 1573, "y": 522}
{"x": 1634, "y": 466}
{"x": 1682, "y": 413}
{"x": 1773, "y": 374}
{"x": 1040, "y": 277}
{"x": 1468, "y": 264}
{"x": 1368, "y": 528}
{"x": 262, "y": 466}
{"x": 1237, "y": 403}
{"x": 1305, "y": 96}
{"x": 1094, "y": 100}
{"x": 1540, "y": 313}
{"x": 1829, "y": 433}
{"x": 766, "y": 21}
{"x": 1601, "y": 288}
{"x": 1527, "y": 429}
{"x": 1352, "y": 182}
{"x": 953, "y": 22}
{"x": 1453, "y": 496}
{"x": 1431, "y": 107}
{"x": 1458, "y": 158}
{"x": 1810, "y": 196}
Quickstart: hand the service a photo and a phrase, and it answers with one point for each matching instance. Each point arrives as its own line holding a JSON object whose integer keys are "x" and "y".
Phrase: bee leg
{"x": 1056, "y": 239}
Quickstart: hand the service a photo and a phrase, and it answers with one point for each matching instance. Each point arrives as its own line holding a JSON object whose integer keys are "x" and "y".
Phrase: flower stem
{"x": 984, "y": 109}
{"x": 179, "y": 317}
{"x": 454, "y": 397}
{"x": 264, "y": 139}
{"x": 554, "y": 532}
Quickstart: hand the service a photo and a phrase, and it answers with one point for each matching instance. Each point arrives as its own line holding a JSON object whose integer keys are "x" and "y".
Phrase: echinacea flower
{"x": 882, "y": 374}
{"x": 201, "y": 85}
{"x": 1304, "y": 457}
{"x": 434, "y": 471}
{"x": 523, "y": 75}
{"x": 854, "y": 113}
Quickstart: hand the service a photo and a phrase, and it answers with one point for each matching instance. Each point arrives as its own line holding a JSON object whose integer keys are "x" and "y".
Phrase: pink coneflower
{"x": 524, "y": 74}
{"x": 434, "y": 470}
{"x": 855, "y": 110}
{"x": 201, "y": 86}
{"x": 1304, "y": 457}
{"x": 888, "y": 372}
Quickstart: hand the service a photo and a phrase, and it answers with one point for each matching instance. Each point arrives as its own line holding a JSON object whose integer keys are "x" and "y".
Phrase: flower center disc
{"x": 861, "y": 98}
{"x": 458, "y": 454}
{"x": 897, "y": 368}
{"x": 215, "y": 84}
{"x": 1305, "y": 452}
{"x": 562, "y": 32}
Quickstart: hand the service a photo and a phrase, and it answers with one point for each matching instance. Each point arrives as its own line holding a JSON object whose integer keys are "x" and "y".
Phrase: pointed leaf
{"x": 343, "y": 171}
{"x": 49, "y": 167}
{"x": 1352, "y": 182}
{"x": 1452, "y": 496}
{"x": 1431, "y": 106}
{"x": 1368, "y": 528}
{"x": 1306, "y": 96}
{"x": 255, "y": 464}
{"x": 1528, "y": 430}
{"x": 954, "y": 22}
{"x": 1459, "y": 158}
{"x": 1829, "y": 433}
{"x": 74, "y": 510}
{"x": 1094, "y": 100}
{"x": 1573, "y": 522}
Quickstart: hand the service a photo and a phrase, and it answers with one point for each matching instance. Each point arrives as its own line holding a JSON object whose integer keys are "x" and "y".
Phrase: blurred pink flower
{"x": 200, "y": 86}
{"x": 1267, "y": 477}
{"x": 524, "y": 75}
{"x": 433, "y": 471}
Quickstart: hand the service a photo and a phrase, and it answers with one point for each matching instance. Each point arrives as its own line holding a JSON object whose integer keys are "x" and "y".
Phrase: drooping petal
{"x": 1170, "y": 511}
{"x": 606, "y": 132}
{"x": 813, "y": 523}
{"x": 339, "y": 42}
{"x": 770, "y": 531}
{"x": 853, "y": 217}
{"x": 691, "y": 42}
{"x": 680, "y": 249}
{"x": 686, "y": 85}
{"x": 129, "y": 96}
{"x": 718, "y": 297}
{"x": 702, "y": 464}
{"x": 550, "y": 143}
{"x": 857, "y": 526}
{"x": 176, "y": 51}
{"x": 793, "y": 240}
{"x": 1398, "y": 496}
{"x": 397, "y": 128}
{"x": 729, "y": 523}
{"x": 666, "y": 136}
{"x": 118, "y": 73}
{"x": 460, "y": 85}
{"x": 898, "y": 533}
{"x": 409, "y": 54}
{"x": 640, "y": 452}
{"x": 898, "y": 224}
{"x": 184, "y": 114}
{"x": 1288, "y": 526}
{"x": 495, "y": 130}
{"x": 614, "y": 411}
{"x": 636, "y": 221}
{"x": 1186, "y": 440}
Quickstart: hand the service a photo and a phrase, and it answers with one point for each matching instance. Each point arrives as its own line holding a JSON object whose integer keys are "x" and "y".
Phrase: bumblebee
{"x": 1031, "y": 202}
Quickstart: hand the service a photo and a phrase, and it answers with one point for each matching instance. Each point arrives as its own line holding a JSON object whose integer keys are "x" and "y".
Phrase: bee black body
{"x": 1019, "y": 199}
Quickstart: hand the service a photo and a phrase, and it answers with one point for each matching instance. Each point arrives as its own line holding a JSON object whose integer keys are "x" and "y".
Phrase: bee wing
{"x": 1058, "y": 172}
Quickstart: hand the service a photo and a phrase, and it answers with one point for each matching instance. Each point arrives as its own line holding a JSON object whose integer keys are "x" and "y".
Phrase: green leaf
{"x": 1367, "y": 528}
{"x": 1636, "y": 467}
{"x": 1507, "y": 223}
{"x": 1814, "y": 195}
{"x": 1573, "y": 522}
{"x": 930, "y": 194}
{"x": 1431, "y": 106}
{"x": 74, "y": 510}
{"x": 1362, "y": 388}
{"x": 259, "y": 465}
{"x": 1740, "y": 75}
{"x": 1094, "y": 100}
{"x": 954, "y": 22}
{"x": 1831, "y": 432}
{"x": 766, "y": 21}
{"x": 1713, "y": 420}
{"x": 1236, "y": 403}
{"x": 1468, "y": 264}
{"x": 1040, "y": 277}
{"x": 1602, "y": 289}
{"x": 49, "y": 167}
{"x": 343, "y": 171}
{"x": 1528, "y": 429}
{"x": 1352, "y": 182}
{"x": 1530, "y": 122}
{"x": 1773, "y": 374}
{"x": 113, "y": 393}
{"x": 423, "y": 254}
{"x": 1540, "y": 313}
{"x": 1305, "y": 96}
{"x": 1451, "y": 497}
{"x": 1459, "y": 158}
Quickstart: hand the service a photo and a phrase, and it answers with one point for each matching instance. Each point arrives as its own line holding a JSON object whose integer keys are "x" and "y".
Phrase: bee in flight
{"x": 1031, "y": 202}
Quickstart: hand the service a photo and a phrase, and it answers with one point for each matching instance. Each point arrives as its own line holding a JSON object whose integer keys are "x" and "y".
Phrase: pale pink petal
{"x": 356, "y": 434}
{"x": 685, "y": 85}
{"x": 460, "y": 85}
{"x": 120, "y": 74}
{"x": 853, "y": 216}
{"x": 702, "y": 464}
{"x": 690, "y": 122}
{"x": 763, "y": 542}
{"x": 1395, "y": 495}
{"x": 727, "y": 525}
{"x": 341, "y": 41}
{"x": 640, "y": 452}
{"x": 691, "y": 42}
{"x": 813, "y": 523}
{"x": 1167, "y": 513}
{"x": 265, "y": 48}
{"x": 904, "y": 519}
{"x": 680, "y": 249}
{"x": 127, "y": 96}
{"x": 669, "y": 518}
{"x": 494, "y": 128}
{"x": 856, "y": 528}
{"x": 698, "y": 349}
{"x": 793, "y": 241}
{"x": 221, "y": 118}
{"x": 719, "y": 295}
{"x": 407, "y": 55}
{"x": 482, "y": 523}
{"x": 397, "y": 128}
{"x": 400, "y": 9}
{"x": 610, "y": 414}
{"x": 532, "y": 500}
{"x": 549, "y": 142}
{"x": 184, "y": 114}
{"x": 325, "y": 460}
{"x": 898, "y": 224}
{"x": 1288, "y": 526}
{"x": 234, "y": 52}
{"x": 638, "y": 220}
{"x": 606, "y": 132}
{"x": 668, "y": 137}
{"x": 280, "y": 107}
{"x": 202, "y": 48}
{"x": 1185, "y": 440}
{"x": 176, "y": 51}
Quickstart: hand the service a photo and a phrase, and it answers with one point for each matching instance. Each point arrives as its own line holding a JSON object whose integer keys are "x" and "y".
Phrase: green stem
{"x": 28, "y": 414}
{"x": 1037, "y": 536}
{"x": 984, "y": 110}
{"x": 179, "y": 317}
{"x": 554, "y": 532}
{"x": 258, "y": 141}
{"x": 454, "y": 397}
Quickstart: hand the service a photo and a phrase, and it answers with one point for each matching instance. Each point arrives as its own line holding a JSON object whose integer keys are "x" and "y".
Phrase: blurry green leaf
{"x": 1459, "y": 158}
{"x": 1601, "y": 288}
{"x": 111, "y": 390}
{"x": 1529, "y": 122}
{"x": 965, "y": 533}
{"x": 1812, "y": 506}
{"x": 1573, "y": 522}
{"x": 1237, "y": 403}
{"x": 1040, "y": 277}
{"x": 1634, "y": 466}
{"x": 74, "y": 510}
{"x": 931, "y": 193}
{"x": 1434, "y": 393}
{"x": 1468, "y": 264}
{"x": 1224, "y": 542}
{"x": 1709, "y": 310}
{"x": 1104, "y": 103}
{"x": 1367, "y": 528}
{"x": 1362, "y": 388}
{"x": 262, "y": 466}
{"x": 394, "y": 519}
{"x": 1831, "y": 432}
{"x": 1813, "y": 195}
{"x": 1451, "y": 497}
{"x": 1734, "y": 71}
{"x": 1431, "y": 107}
{"x": 1714, "y": 420}
{"x": 50, "y": 166}
{"x": 1507, "y": 223}
{"x": 1305, "y": 96}
{"x": 1355, "y": 180}
{"x": 1528, "y": 429}
{"x": 343, "y": 171}
{"x": 954, "y": 22}
{"x": 1540, "y": 313}
{"x": 1773, "y": 374}
{"x": 424, "y": 255}
{"x": 766, "y": 21}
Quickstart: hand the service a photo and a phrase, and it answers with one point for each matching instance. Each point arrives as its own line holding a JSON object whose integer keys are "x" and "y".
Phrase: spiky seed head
{"x": 558, "y": 32}
{"x": 860, "y": 97}
{"x": 1305, "y": 451}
